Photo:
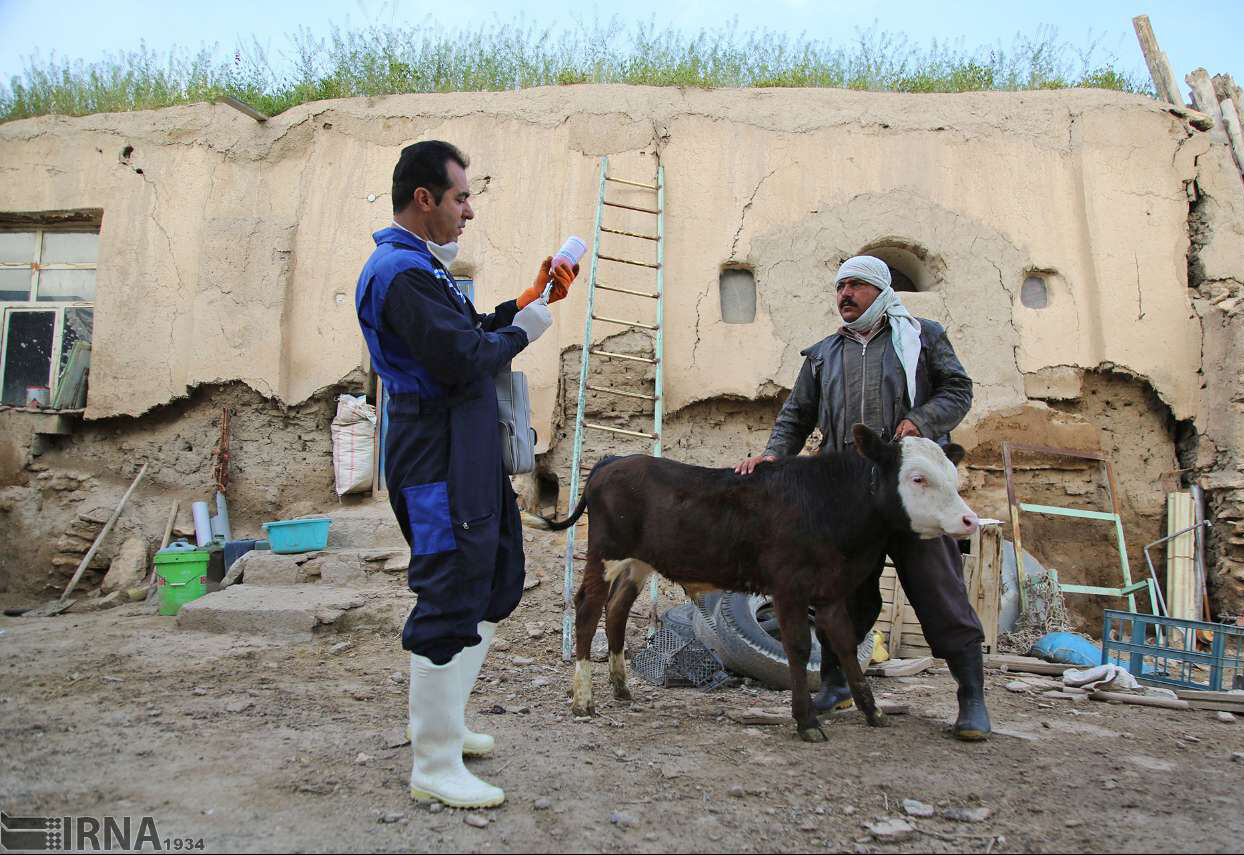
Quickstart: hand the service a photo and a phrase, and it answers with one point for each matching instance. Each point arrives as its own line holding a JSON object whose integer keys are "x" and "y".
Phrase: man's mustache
{"x": 844, "y": 302}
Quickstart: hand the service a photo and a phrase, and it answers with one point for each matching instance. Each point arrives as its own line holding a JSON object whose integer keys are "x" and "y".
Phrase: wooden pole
{"x": 1159, "y": 66}
{"x": 1205, "y": 100}
{"x": 86, "y": 559}
{"x": 168, "y": 529}
{"x": 1235, "y": 134}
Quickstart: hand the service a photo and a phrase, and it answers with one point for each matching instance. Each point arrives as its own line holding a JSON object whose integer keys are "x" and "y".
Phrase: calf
{"x": 804, "y": 530}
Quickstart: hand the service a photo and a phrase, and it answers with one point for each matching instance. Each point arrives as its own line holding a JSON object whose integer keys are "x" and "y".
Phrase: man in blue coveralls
{"x": 447, "y": 484}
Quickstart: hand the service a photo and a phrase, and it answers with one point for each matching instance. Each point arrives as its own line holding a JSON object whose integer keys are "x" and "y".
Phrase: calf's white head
{"x": 927, "y": 483}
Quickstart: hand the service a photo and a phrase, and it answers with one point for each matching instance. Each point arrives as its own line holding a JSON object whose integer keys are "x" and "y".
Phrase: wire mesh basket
{"x": 671, "y": 660}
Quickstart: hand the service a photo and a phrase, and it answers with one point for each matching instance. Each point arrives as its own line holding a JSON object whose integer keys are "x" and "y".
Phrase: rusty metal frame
{"x": 1129, "y": 588}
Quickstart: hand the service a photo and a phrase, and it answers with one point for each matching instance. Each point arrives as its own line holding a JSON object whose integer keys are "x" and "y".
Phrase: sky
{"x": 1191, "y": 32}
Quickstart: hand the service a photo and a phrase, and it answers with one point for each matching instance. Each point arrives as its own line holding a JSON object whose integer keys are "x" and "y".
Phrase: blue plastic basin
{"x": 306, "y": 535}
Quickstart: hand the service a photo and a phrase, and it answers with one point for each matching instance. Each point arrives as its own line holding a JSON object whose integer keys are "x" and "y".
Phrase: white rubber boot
{"x": 437, "y": 729}
{"x": 476, "y": 744}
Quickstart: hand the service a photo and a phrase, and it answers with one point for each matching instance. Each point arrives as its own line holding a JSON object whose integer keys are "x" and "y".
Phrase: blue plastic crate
{"x": 1165, "y": 651}
{"x": 305, "y": 535}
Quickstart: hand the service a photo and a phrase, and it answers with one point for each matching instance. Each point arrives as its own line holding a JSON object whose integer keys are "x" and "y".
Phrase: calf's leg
{"x": 833, "y": 623}
{"x": 624, "y": 592}
{"x": 792, "y": 615}
{"x": 589, "y": 602}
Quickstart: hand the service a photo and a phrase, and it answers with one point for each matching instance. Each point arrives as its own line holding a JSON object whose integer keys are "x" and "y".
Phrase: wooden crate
{"x": 982, "y": 574}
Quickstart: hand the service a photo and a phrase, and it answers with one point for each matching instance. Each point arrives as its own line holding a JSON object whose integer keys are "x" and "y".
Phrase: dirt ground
{"x": 254, "y": 745}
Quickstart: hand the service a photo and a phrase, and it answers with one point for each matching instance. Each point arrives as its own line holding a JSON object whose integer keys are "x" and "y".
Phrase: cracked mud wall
{"x": 53, "y": 504}
{"x": 1216, "y": 274}
{"x": 229, "y": 249}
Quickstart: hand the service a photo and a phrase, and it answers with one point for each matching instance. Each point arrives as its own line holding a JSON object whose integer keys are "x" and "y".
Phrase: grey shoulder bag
{"x": 518, "y": 438}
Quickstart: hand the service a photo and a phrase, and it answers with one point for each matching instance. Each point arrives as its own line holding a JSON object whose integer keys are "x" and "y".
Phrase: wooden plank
{"x": 1204, "y": 695}
{"x": 1140, "y": 700}
{"x": 1225, "y": 89}
{"x": 1205, "y": 100}
{"x": 898, "y": 609}
{"x": 1235, "y": 135}
{"x": 900, "y": 667}
{"x": 1159, "y": 66}
{"x": 991, "y": 584}
{"x": 1182, "y": 596}
{"x": 1025, "y": 664}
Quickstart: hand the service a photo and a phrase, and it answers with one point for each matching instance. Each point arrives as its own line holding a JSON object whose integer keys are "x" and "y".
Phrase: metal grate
{"x": 670, "y": 660}
{"x": 1167, "y": 651}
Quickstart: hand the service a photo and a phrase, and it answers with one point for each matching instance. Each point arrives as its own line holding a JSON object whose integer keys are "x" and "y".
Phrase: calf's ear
{"x": 954, "y": 453}
{"x": 868, "y": 443}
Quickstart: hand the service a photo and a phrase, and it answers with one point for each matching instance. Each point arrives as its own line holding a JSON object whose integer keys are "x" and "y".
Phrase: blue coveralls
{"x": 446, "y": 481}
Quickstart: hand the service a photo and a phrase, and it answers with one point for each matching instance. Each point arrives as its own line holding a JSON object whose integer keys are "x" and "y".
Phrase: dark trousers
{"x": 931, "y": 572}
{"x": 459, "y": 514}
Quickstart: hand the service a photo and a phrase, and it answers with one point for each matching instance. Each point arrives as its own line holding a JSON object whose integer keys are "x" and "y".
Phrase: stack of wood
{"x": 1217, "y": 100}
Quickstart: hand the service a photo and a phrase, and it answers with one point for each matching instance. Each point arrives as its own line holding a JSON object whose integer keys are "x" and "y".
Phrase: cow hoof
{"x": 622, "y": 693}
{"x": 813, "y": 734}
{"x": 583, "y": 711}
{"x": 879, "y": 719}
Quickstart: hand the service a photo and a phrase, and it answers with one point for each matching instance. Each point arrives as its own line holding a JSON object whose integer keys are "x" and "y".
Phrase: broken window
{"x": 47, "y": 314}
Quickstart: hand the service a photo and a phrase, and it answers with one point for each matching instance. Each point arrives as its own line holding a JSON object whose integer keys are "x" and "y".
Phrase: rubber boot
{"x": 968, "y": 668}
{"x": 835, "y": 694}
{"x": 476, "y": 744}
{"x": 437, "y": 729}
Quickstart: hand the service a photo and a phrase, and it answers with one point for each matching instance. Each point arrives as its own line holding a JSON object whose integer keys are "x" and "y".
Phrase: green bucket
{"x": 182, "y": 575}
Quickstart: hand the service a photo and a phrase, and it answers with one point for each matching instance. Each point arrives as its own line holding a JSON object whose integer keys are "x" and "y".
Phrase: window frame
{"x": 57, "y": 307}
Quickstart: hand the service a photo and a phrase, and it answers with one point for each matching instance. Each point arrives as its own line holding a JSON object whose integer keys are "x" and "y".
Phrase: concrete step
{"x": 347, "y": 567}
{"x": 285, "y": 612}
{"x": 366, "y": 526}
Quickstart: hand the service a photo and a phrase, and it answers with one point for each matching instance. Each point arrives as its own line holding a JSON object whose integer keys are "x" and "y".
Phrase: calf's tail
{"x": 551, "y": 524}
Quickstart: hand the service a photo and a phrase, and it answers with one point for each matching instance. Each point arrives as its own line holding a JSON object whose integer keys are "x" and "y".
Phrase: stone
{"x": 1225, "y": 717}
{"x": 199, "y": 690}
{"x": 395, "y": 737}
{"x": 284, "y": 612}
{"x": 542, "y": 804}
{"x": 435, "y": 807}
{"x": 363, "y": 759}
{"x": 891, "y": 829}
{"x": 623, "y": 820}
{"x": 98, "y": 604}
{"x": 534, "y": 630}
{"x": 239, "y": 706}
{"x": 137, "y": 594}
{"x": 340, "y": 647}
{"x": 128, "y": 568}
{"x": 600, "y": 646}
{"x": 1017, "y": 686}
{"x": 1237, "y": 756}
{"x": 911, "y": 807}
{"x": 476, "y": 820}
{"x": 736, "y": 792}
{"x": 531, "y": 582}
{"x": 959, "y": 814}
{"x": 390, "y": 818}
{"x": 522, "y": 661}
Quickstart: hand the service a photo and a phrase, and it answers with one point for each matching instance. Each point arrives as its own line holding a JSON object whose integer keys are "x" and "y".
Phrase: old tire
{"x": 738, "y": 629}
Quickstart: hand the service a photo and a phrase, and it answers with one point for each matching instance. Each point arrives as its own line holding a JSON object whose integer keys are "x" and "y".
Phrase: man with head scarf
{"x": 898, "y": 375}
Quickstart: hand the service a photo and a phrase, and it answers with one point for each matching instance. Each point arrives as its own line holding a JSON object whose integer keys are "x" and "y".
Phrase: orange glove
{"x": 562, "y": 277}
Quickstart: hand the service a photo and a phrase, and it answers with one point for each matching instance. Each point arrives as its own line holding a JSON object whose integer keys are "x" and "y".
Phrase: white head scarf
{"x": 904, "y": 329}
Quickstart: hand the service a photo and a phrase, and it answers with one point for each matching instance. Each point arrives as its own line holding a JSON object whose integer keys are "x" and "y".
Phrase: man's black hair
{"x": 424, "y": 164}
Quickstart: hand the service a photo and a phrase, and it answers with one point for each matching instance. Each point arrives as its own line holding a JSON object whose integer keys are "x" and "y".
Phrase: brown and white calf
{"x": 804, "y": 530}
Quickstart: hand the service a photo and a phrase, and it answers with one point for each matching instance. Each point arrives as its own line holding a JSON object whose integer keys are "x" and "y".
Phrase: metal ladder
{"x": 578, "y": 469}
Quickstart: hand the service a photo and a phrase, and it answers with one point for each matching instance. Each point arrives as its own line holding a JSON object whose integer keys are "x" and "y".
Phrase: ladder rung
{"x": 632, "y": 183}
{"x": 620, "y": 430}
{"x": 629, "y": 234}
{"x": 620, "y": 392}
{"x": 623, "y": 356}
{"x": 628, "y": 261}
{"x": 627, "y": 291}
{"x": 624, "y": 323}
{"x": 632, "y": 208}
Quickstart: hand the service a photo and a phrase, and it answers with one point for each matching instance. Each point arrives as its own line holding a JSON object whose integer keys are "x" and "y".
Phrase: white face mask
{"x": 445, "y": 253}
